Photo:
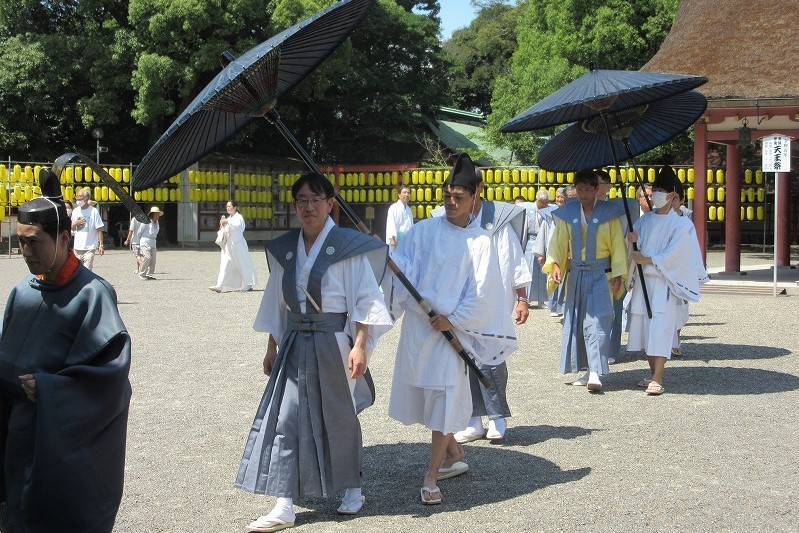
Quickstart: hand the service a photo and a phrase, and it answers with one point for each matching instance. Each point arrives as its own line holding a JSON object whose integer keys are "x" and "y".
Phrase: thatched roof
{"x": 746, "y": 48}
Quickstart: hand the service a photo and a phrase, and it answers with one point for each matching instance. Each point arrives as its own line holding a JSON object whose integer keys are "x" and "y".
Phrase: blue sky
{"x": 455, "y": 14}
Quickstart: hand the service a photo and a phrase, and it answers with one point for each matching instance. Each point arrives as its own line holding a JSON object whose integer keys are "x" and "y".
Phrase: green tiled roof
{"x": 465, "y": 137}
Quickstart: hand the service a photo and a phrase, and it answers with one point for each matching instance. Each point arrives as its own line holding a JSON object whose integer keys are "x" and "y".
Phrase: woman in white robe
{"x": 236, "y": 270}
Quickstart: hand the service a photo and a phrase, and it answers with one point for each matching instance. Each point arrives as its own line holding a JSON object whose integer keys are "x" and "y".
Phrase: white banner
{"x": 776, "y": 153}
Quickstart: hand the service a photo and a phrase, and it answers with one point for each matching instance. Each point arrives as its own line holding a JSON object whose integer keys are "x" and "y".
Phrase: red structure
{"x": 750, "y": 55}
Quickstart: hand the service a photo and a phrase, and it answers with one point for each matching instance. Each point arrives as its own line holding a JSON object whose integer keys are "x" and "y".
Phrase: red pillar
{"x": 732, "y": 207}
{"x": 700, "y": 186}
{"x": 783, "y": 214}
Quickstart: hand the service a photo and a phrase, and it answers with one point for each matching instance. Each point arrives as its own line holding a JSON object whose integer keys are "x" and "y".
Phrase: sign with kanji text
{"x": 776, "y": 153}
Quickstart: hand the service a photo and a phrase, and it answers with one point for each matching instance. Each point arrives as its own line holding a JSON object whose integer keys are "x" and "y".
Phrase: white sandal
{"x": 265, "y": 524}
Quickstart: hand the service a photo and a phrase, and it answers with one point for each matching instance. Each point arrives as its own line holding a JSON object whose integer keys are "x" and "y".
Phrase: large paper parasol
{"x": 603, "y": 95}
{"x": 634, "y": 131}
{"x": 246, "y": 88}
{"x": 600, "y": 91}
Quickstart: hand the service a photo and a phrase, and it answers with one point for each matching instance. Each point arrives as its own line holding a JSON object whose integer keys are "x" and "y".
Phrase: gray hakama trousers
{"x": 491, "y": 402}
{"x": 306, "y": 438}
{"x": 614, "y": 344}
{"x": 537, "y": 292}
{"x": 588, "y": 318}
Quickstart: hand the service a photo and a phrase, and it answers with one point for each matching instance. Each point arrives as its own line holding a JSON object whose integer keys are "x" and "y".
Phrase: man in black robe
{"x": 64, "y": 389}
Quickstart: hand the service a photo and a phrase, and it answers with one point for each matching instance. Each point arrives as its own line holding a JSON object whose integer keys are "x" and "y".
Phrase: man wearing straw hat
{"x": 147, "y": 244}
{"x": 64, "y": 389}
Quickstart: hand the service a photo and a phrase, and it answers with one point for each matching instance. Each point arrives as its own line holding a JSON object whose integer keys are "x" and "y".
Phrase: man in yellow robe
{"x": 588, "y": 240}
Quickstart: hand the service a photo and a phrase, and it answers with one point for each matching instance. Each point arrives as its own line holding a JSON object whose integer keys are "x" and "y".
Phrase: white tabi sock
{"x": 352, "y": 497}
{"x": 283, "y": 509}
{"x": 476, "y": 422}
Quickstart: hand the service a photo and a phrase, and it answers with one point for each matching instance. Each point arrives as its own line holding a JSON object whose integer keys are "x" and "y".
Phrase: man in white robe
{"x": 322, "y": 305}
{"x": 671, "y": 259}
{"x": 399, "y": 219}
{"x": 452, "y": 265}
{"x": 507, "y": 226}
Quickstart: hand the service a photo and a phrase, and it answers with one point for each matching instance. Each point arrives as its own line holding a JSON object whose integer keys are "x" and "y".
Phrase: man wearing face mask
{"x": 64, "y": 389}
{"x": 87, "y": 226}
{"x": 673, "y": 270}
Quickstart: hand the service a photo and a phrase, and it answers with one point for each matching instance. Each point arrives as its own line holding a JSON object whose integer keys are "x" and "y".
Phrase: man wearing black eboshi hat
{"x": 506, "y": 223}
{"x": 64, "y": 389}
{"x": 451, "y": 262}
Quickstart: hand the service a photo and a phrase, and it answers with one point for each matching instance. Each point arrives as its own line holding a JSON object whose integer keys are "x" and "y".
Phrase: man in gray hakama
{"x": 537, "y": 220}
{"x": 588, "y": 240}
{"x": 305, "y": 440}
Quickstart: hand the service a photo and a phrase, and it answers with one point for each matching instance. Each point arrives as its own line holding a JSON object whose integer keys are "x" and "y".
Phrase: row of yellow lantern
{"x": 719, "y": 176}
{"x": 750, "y": 195}
{"x": 370, "y": 196}
{"x": 251, "y": 212}
{"x": 29, "y": 175}
{"x": 379, "y": 179}
{"x": 748, "y": 214}
{"x": 240, "y": 179}
{"x": 159, "y": 194}
{"x": 19, "y": 194}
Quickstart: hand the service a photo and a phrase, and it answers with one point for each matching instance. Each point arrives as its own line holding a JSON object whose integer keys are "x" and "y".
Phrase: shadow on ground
{"x": 394, "y": 472}
{"x": 709, "y": 351}
{"x": 709, "y": 380}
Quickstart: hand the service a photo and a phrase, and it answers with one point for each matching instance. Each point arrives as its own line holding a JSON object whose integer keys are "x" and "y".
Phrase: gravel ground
{"x": 717, "y": 452}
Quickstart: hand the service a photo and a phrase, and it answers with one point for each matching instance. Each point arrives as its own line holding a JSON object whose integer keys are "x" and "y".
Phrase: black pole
{"x": 126, "y": 199}
{"x": 627, "y": 213}
{"x": 273, "y": 117}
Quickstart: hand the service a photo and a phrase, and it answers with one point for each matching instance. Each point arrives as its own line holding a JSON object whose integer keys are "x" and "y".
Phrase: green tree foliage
{"x": 366, "y": 103}
{"x": 557, "y": 39}
{"x": 64, "y": 69}
{"x": 480, "y": 54}
{"x": 130, "y": 66}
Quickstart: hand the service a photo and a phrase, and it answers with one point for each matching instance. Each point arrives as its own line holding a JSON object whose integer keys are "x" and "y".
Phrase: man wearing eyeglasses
{"x": 322, "y": 306}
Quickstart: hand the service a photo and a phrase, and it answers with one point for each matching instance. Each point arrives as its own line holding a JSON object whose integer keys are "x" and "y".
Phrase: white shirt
{"x": 86, "y": 237}
{"x": 398, "y": 221}
{"x": 454, "y": 269}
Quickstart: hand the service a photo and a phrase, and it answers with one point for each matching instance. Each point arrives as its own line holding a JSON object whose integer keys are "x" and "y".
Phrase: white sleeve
{"x": 272, "y": 313}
